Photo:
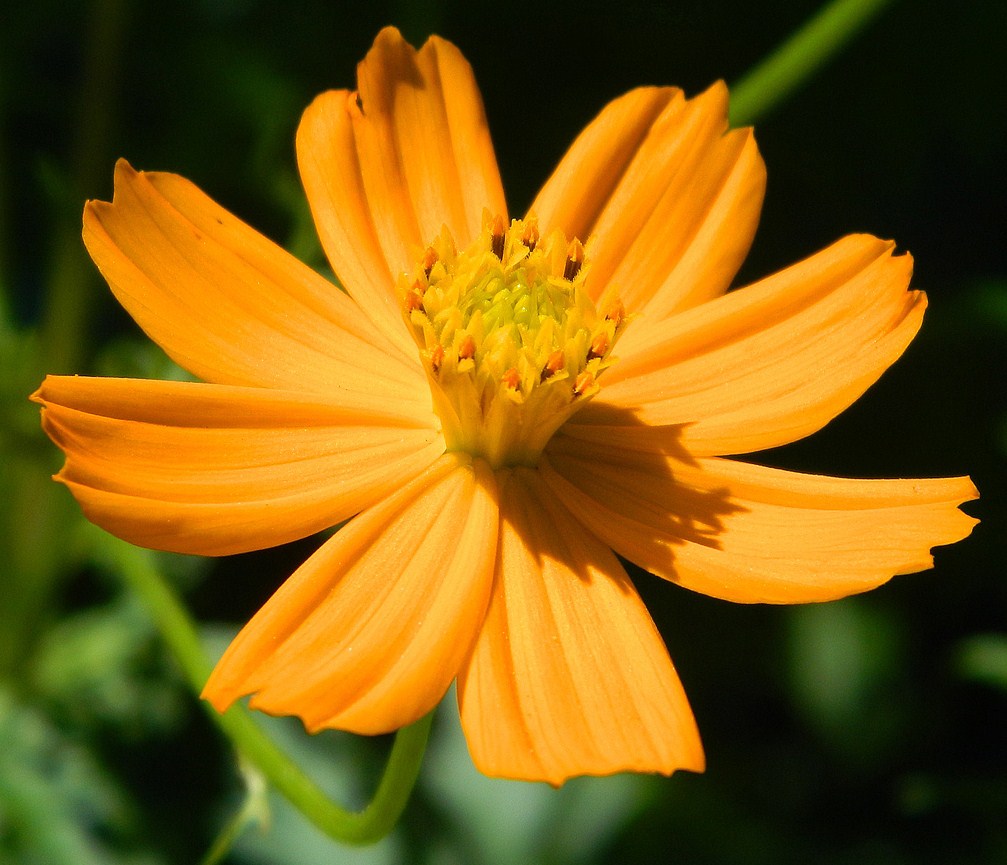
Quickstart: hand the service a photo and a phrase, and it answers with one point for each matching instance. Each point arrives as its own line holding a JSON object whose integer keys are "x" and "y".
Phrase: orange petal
{"x": 330, "y": 171}
{"x": 751, "y": 534}
{"x": 569, "y": 675}
{"x": 367, "y": 635}
{"x": 219, "y": 469}
{"x": 671, "y": 197}
{"x": 771, "y": 363}
{"x": 228, "y": 304}
{"x": 386, "y": 168}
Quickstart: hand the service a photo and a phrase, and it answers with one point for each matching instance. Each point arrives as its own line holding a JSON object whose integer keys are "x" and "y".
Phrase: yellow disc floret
{"x": 510, "y": 340}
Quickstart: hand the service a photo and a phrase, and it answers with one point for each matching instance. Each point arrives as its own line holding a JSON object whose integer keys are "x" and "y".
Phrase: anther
{"x": 499, "y": 232}
{"x": 413, "y": 300}
{"x": 530, "y": 235}
{"x": 554, "y": 364}
{"x": 582, "y": 383}
{"x": 574, "y": 259}
{"x": 511, "y": 378}
{"x": 429, "y": 260}
{"x": 467, "y": 349}
{"x": 599, "y": 345}
{"x": 437, "y": 358}
{"x": 616, "y": 314}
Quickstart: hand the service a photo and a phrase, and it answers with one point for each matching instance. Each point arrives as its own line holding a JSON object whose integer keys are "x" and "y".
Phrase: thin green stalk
{"x": 6, "y": 265}
{"x": 37, "y": 565}
{"x": 135, "y": 566}
{"x": 254, "y": 811}
{"x": 797, "y": 59}
{"x": 71, "y": 284}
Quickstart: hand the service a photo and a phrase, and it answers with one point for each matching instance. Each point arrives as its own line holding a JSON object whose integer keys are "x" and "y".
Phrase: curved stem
{"x": 799, "y": 57}
{"x": 371, "y": 824}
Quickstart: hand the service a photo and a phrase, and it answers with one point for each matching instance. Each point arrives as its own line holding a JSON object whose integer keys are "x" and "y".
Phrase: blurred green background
{"x": 866, "y": 731}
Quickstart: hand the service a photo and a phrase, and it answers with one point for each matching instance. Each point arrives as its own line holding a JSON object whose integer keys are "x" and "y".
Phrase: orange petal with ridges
{"x": 589, "y": 173}
{"x": 750, "y": 534}
{"x": 771, "y": 363}
{"x": 385, "y": 168}
{"x": 569, "y": 676}
{"x": 670, "y": 196}
{"x": 226, "y": 303}
{"x": 218, "y": 469}
{"x": 330, "y": 171}
{"x": 367, "y": 635}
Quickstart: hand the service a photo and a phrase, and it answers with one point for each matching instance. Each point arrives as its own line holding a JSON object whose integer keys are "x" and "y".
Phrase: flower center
{"x": 510, "y": 341}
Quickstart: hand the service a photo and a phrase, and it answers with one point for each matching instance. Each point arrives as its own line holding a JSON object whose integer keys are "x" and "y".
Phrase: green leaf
{"x": 103, "y": 667}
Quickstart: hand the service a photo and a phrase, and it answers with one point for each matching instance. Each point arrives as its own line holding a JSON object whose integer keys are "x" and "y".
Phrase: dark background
{"x": 869, "y": 730}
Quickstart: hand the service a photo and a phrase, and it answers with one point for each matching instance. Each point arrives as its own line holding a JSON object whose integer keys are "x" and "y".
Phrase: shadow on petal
{"x": 569, "y": 675}
{"x": 620, "y": 479}
{"x": 743, "y": 532}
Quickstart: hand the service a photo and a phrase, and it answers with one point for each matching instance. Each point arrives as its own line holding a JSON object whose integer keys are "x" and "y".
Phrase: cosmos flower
{"x": 495, "y": 405}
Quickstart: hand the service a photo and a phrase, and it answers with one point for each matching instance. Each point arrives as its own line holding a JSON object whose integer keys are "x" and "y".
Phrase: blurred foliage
{"x": 58, "y": 803}
{"x": 865, "y": 731}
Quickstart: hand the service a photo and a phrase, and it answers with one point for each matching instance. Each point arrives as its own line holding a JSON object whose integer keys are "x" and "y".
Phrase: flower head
{"x": 498, "y": 404}
{"x": 509, "y": 338}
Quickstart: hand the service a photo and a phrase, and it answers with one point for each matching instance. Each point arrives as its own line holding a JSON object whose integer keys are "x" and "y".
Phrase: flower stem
{"x": 797, "y": 59}
{"x": 71, "y": 289}
{"x": 136, "y": 568}
{"x": 34, "y": 567}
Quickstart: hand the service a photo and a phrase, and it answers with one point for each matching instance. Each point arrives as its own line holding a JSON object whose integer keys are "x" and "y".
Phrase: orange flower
{"x": 501, "y": 407}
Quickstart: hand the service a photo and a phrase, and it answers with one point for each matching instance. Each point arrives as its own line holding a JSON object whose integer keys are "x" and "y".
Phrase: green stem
{"x": 71, "y": 285}
{"x": 35, "y": 567}
{"x": 134, "y": 565}
{"x": 797, "y": 59}
{"x": 6, "y": 265}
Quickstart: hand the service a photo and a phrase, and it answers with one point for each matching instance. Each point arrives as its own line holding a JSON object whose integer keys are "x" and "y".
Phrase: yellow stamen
{"x": 583, "y": 382}
{"x": 414, "y": 299}
{"x": 530, "y": 236}
{"x": 554, "y": 364}
{"x": 599, "y": 346}
{"x": 511, "y": 341}
{"x": 429, "y": 260}
{"x": 616, "y": 313}
{"x": 499, "y": 234}
{"x": 511, "y": 378}
{"x": 437, "y": 358}
{"x": 574, "y": 259}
